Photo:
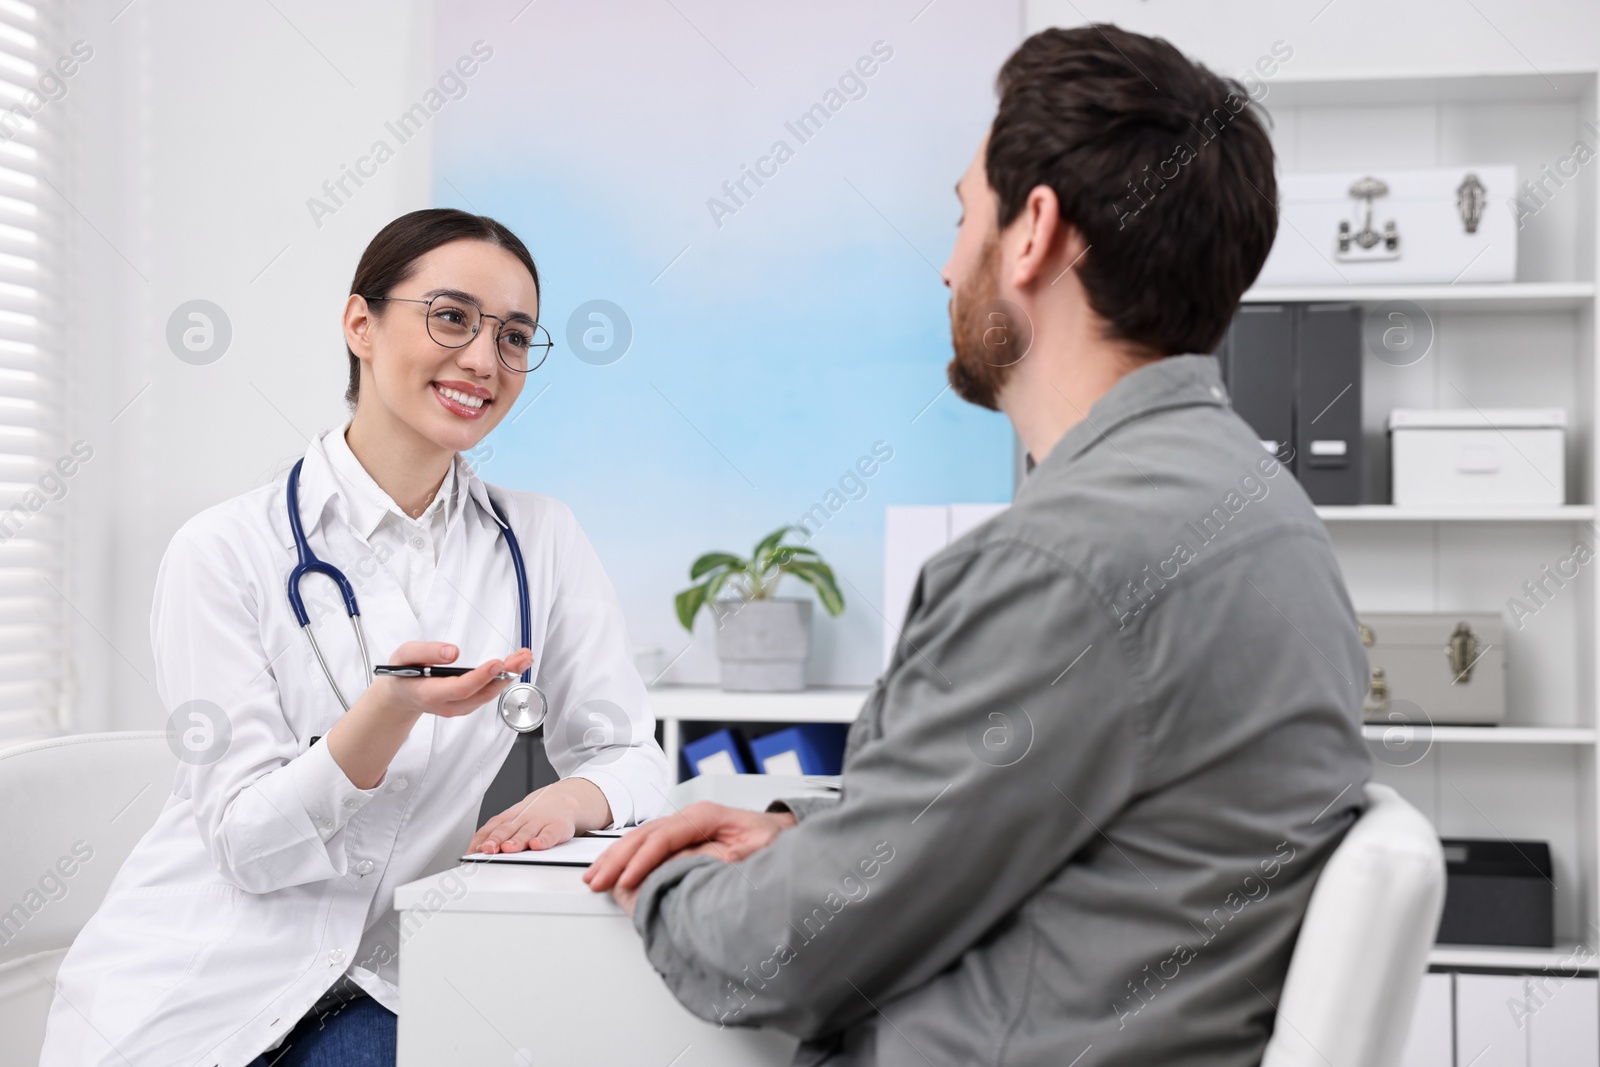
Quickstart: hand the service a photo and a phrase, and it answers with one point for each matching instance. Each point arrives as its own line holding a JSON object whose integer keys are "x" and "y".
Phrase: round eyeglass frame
{"x": 427, "y": 322}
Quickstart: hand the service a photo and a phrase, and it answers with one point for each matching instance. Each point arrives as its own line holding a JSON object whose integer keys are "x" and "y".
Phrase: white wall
{"x": 1338, "y": 37}
{"x": 199, "y": 131}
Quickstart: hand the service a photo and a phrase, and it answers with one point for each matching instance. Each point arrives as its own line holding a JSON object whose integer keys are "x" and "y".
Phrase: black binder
{"x": 1328, "y": 402}
{"x": 1258, "y": 363}
{"x": 1293, "y": 372}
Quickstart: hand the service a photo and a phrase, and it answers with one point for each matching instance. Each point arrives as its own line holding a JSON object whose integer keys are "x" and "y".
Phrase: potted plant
{"x": 763, "y": 640}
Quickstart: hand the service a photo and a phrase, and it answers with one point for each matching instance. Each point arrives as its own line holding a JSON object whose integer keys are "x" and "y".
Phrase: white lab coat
{"x": 268, "y": 874}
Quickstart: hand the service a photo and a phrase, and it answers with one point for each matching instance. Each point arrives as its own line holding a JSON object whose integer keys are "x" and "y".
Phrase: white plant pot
{"x": 763, "y": 645}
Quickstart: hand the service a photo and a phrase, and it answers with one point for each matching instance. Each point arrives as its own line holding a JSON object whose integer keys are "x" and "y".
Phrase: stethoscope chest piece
{"x": 523, "y": 706}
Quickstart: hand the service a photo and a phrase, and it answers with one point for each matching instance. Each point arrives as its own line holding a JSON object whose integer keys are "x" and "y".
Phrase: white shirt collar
{"x": 319, "y": 485}
{"x": 365, "y": 502}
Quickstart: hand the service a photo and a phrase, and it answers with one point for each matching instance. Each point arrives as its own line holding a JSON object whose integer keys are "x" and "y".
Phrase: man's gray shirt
{"x": 1084, "y": 807}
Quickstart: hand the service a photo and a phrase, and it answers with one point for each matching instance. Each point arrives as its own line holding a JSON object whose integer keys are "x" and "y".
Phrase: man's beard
{"x": 990, "y": 336}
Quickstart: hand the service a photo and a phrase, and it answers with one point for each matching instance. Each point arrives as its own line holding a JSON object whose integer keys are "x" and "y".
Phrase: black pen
{"x": 417, "y": 670}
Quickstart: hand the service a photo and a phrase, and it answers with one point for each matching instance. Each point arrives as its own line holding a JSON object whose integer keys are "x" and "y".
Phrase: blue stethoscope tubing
{"x": 523, "y": 705}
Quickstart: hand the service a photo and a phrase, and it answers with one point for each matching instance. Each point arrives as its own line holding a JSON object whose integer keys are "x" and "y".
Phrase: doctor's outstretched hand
{"x": 730, "y": 834}
{"x": 448, "y": 697}
{"x": 367, "y": 736}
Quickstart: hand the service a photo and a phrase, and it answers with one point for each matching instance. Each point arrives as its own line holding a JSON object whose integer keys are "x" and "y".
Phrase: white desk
{"x": 517, "y": 966}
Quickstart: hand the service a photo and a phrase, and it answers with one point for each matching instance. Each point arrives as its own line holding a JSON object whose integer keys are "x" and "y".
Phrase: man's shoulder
{"x": 1185, "y": 488}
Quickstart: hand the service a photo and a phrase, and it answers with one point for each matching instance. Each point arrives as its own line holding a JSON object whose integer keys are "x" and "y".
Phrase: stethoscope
{"x": 523, "y": 706}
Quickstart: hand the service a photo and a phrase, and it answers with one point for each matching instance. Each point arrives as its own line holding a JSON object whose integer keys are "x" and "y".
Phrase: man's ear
{"x": 1047, "y": 246}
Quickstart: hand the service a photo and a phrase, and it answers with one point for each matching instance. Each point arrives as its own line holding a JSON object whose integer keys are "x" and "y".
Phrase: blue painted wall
{"x": 778, "y": 331}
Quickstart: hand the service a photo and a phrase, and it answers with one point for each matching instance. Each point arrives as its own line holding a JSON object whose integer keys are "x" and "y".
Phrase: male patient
{"x": 1084, "y": 809}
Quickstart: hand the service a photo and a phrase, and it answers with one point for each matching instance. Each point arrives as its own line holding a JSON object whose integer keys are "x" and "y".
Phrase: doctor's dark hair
{"x": 392, "y": 255}
{"x": 1161, "y": 165}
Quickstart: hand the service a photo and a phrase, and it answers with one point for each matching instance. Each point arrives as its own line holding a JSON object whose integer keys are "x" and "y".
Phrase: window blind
{"x": 33, "y": 491}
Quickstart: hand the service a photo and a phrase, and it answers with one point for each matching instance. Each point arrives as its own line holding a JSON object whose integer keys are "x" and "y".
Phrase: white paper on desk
{"x": 578, "y": 852}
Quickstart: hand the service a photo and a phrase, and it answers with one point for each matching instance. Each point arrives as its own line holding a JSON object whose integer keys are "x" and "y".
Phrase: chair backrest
{"x": 74, "y": 808}
{"x": 1363, "y": 947}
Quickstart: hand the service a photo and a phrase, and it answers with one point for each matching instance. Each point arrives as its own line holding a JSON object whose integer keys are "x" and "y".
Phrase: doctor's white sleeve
{"x": 602, "y": 727}
{"x": 268, "y": 810}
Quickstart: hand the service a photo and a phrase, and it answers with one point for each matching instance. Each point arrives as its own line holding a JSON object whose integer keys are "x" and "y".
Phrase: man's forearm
{"x": 801, "y": 807}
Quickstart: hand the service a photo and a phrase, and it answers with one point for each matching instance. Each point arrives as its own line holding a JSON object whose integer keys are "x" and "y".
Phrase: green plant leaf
{"x": 715, "y": 584}
{"x": 768, "y": 543}
{"x": 820, "y": 577}
{"x": 716, "y": 559}
{"x": 688, "y": 604}
{"x": 810, "y": 565}
{"x": 778, "y": 559}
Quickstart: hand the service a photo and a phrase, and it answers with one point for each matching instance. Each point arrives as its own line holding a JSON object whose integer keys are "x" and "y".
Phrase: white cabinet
{"x": 1563, "y": 1022}
{"x": 1432, "y": 1040}
{"x": 1506, "y": 1021}
{"x": 1488, "y": 1028}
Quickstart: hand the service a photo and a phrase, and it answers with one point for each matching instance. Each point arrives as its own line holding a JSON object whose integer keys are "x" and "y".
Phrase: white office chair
{"x": 88, "y": 795}
{"x": 1363, "y": 948}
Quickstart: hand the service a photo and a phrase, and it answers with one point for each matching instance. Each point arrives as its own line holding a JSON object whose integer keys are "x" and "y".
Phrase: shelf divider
{"x": 1480, "y": 298}
{"x": 1488, "y": 735}
{"x": 1512, "y": 958}
{"x": 1391, "y": 513}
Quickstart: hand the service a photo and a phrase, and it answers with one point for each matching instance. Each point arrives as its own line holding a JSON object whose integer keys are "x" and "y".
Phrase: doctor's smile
{"x": 462, "y": 399}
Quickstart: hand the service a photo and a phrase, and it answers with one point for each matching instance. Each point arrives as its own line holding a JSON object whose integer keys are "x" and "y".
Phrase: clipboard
{"x": 578, "y": 852}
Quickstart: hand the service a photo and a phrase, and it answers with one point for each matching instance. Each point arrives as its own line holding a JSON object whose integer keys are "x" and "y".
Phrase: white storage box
{"x": 1500, "y": 456}
{"x": 1380, "y": 226}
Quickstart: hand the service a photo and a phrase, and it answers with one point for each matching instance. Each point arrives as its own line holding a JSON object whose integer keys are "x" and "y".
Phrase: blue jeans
{"x": 358, "y": 1034}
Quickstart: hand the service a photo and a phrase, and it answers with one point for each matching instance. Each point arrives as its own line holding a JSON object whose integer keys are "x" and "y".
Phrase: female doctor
{"x": 254, "y": 922}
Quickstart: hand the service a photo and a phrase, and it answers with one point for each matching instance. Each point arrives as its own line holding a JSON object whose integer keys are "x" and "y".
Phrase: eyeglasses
{"x": 453, "y": 322}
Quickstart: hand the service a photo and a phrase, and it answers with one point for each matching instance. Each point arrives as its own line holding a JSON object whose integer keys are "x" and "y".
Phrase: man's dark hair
{"x": 392, "y": 255}
{"x": 1162, "y": 166}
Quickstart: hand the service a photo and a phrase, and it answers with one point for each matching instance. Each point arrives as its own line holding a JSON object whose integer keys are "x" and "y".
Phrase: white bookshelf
{"x": 677, "y": 704}
{"x": 1530, "y": 343}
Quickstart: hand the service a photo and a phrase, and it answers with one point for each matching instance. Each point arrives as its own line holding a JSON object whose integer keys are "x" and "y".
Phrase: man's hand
{"x": 730, "y": 834}
{"x": 625, "y": 898}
